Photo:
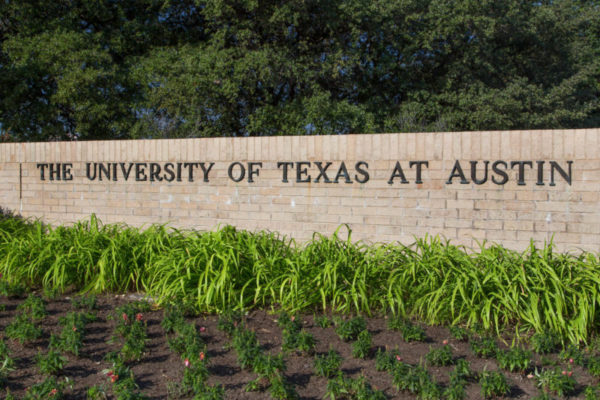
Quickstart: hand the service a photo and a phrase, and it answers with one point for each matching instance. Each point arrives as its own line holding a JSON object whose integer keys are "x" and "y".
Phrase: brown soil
{"x": 160, "y": 366}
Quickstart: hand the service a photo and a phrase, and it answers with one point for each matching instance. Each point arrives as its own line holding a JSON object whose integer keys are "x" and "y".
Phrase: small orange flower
{"x": 201, "y": 356}
{"x": 53, "y": 392}
{"x": 445, "y": 342}
{"x": 74, "y": 329}
{"x": 186, "y": 362}
{"x": 113, "y": 378}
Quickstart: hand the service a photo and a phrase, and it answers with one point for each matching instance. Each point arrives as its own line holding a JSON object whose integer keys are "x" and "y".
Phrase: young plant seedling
{"x": 33, "y": 306}
{"x": 409, "y": 331}
{"x": 52, "y": 363}
{"x": 485, "y": 347}
{"x": 386, "y": 360}
{"x": 342, "y": 387}
{"x": 514, "y": 359}
{"x": 349, "y": 329}
{"x": 556, "y": 381}
{"x": 440, "y": 357}
{"x": 362, "y": 347}
{"x": 493, "y": 384}
{"x": 544, "y": 342}
{"x": 23, "y": 329}
{"x": 459, "y": 333}
{"x": 328, "y": 365}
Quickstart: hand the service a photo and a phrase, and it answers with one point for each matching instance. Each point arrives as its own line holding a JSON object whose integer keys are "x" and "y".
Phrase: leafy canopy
{"x": 94, "y": 69}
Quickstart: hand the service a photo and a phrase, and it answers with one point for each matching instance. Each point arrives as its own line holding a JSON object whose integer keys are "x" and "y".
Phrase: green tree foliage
{"x": 89, "y": 69}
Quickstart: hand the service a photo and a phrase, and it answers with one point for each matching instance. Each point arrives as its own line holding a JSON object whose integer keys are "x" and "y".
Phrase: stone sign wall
{"x": 507, "y": 187}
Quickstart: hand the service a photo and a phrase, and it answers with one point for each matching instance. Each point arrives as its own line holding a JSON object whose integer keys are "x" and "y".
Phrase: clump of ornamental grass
{"x": 343, "y": 387}
{"x": 439, "y": 282}
{"x": 328, "y": 365}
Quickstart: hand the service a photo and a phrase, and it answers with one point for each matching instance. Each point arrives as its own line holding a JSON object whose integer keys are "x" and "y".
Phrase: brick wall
{"x": 509, "y": 213}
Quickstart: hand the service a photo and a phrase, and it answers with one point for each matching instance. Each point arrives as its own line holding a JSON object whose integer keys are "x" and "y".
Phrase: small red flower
{"x": 571, "y": 361}
{"x": 569, "y": 373}
{"x": 201, "y": 356}
{"x": 445, "y": 342}
{"x": 125, "y": 318}
{"x": 53, "y": 392}
{"x": 564, "y": 372}
{"x": 202, "y": 329}
{"x": 110, "y": 373}
{"x": 139, "y": 316}
{"x": 113, "y": 378}
{"x": 74, "y": 329}
{"x": 186, "y": 362}
{"x": 398, "y": 358}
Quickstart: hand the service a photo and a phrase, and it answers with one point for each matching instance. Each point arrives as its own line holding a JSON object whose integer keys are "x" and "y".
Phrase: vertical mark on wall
{"x": 20, "y": 181}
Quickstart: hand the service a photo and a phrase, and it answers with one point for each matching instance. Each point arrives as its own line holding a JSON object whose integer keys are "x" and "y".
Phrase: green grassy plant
{"x": 342, "y": 387}
{"x": 556, "y": 381}
{"x": 23, "y": 329}
{"x": 493, "y": 384}
{"x": 514, "y": 359}
{"x": 544, "y": 342}
{"x": 52, "y": 363}
{"x": 409, "y": 331}
{"x": 34, "y": 307}
{"x": 485, "y": 347}
{"x": 440, "y": 357}
{"x": 537, "y": 290}
{"x": 328, "y": 365}
{"x": 362, "y": 347}
{"x": 351, "y": 328}
{"x": 7, "y": 364}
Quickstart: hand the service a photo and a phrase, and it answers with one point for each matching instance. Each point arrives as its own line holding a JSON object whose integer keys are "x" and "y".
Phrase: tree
{"x": 89, "y": 69}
